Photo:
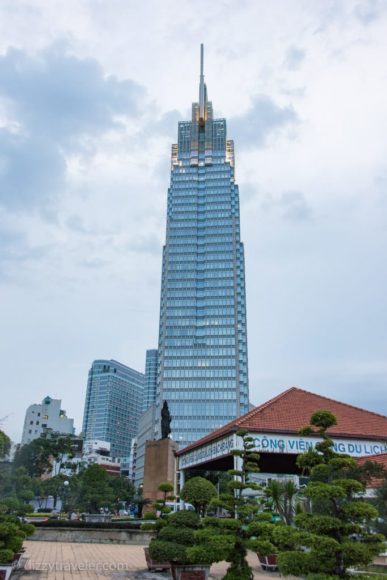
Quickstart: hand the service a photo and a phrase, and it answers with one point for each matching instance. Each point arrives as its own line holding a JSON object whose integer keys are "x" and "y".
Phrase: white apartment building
{"x": 46, "y": 415}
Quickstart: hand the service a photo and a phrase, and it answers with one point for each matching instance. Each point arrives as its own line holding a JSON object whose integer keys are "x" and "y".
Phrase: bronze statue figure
{"x": 165, "y": 421}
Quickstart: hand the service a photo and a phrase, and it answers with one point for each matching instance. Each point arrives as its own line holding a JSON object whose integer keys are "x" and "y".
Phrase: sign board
{"x": 277, "y": 443}
{"x": 208, "y": 452}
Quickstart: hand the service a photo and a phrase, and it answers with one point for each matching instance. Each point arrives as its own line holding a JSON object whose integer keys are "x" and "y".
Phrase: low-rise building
{"x": 274, "y": 427}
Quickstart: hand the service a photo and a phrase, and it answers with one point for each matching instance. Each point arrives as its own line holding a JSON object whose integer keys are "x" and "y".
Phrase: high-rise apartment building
{"x": 43, "y": 416}
{"x": 114, "y": 399}
{"x": 202, "y": 355}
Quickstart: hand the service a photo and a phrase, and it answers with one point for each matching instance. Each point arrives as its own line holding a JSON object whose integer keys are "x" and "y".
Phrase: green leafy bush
{"x": 6, "y": 556}
{"x": 12, "y": 534}
{"x": 294, "y": 563}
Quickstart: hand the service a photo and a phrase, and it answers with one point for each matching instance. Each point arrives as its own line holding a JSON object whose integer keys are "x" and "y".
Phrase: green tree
{"x": 282, "y": 497}
{"x": 123, "y": 490}
{"x": 17, "y": 488}
{"x": 381, "y": 504}
{"x": 5, "y": 444}
{"x": 199, "y": 492}
{"x": 94, "y": 490}
{"x": 336, "y": 528}
{"x": 53, "y": 486}
{"x": 35, "y": 457}
{"x": 240, "y": 507}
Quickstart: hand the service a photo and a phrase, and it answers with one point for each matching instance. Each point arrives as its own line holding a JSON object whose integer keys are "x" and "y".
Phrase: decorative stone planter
{"x": 153, "y": 565}
{"x": 6, "y": 571}
{"x": 190, "y": 572}
{"x": 269, "y": 562}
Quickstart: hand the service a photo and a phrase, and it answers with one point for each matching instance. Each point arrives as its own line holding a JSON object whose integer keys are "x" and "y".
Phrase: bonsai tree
{"x": 336, "y": 526}
{"x": 160, "y": 505}
{"x": 241, "y": 508}
{"x": 199, "y": 492}
{"x": 12, "y": 534}
{"x": 182, "y": 541}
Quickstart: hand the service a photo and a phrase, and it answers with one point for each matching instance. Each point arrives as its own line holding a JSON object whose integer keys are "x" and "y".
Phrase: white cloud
{"x": 85, "y": 169}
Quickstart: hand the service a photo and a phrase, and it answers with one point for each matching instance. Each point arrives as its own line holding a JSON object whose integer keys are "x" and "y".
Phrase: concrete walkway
{"x": 63, "y": 561}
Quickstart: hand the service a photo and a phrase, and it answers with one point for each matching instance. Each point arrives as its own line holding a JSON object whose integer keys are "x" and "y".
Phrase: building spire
{"x": 202, "y": 88}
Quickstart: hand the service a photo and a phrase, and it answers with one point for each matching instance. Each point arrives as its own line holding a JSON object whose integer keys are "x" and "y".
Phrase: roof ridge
{"x": 340, "y": 402}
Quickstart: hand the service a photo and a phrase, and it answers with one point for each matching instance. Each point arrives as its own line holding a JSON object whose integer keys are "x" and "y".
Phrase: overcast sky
{"x": 90, "y": 95}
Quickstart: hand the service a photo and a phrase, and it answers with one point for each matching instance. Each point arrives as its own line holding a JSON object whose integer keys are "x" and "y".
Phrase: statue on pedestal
{"x": 165, "y": 421}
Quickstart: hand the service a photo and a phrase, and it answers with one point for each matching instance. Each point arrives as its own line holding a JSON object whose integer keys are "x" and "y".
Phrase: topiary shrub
{"x": 174, "y": 538}
{"x": 183, "y": 541}
{"x": 294, "y": 563}
{"x": 184, "y": 518}
{"x": 12, "y": 534}
{"x": 199, "y": 492}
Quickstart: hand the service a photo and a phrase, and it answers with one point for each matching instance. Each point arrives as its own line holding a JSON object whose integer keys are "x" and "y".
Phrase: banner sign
{"x": 208, "y": 452}
{"x": 273, "y": 443}
{"x": 277, "y": 443}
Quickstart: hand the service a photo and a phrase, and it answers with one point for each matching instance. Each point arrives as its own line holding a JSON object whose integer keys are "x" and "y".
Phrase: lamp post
{"x": 66, "y": 484}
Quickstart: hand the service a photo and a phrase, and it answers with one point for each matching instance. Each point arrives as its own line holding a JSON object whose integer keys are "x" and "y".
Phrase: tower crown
{"x": 202, "y": 90}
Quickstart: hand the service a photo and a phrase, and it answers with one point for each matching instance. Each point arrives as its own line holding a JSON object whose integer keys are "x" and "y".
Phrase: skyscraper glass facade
{"x": 150, "y": 378}
{"x": 113, "y": 405}
{"x": 202, "y": 366}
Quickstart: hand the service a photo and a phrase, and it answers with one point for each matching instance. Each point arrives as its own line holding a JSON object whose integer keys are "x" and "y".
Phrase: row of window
{"x": 221, "y": 239}
{"x": 192, "y": 352}
{"x": 194, "y": 322}
{"x": 205, "y": 395}
{"x": 209, "y": 386}
{"x": 207, "y": 247}
{"x": 200, "y": 332}
{"x": 199, "y": 373}
{"x": 202, "y": 410}
{"x": 210, "y": 311}
{"x": 207, "y": 214}
{"x": 200, "y": 293}
{"x": 208, "y": 342}
{"x": 201, "y": 231}
{"x": 190, "y": 223}
{"x": 216, "y": 362}
{"x": 200, "y": 302}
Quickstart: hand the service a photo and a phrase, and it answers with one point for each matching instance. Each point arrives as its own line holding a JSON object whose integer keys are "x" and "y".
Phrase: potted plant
{"x": 189, "y": 549}
{"x": 267, "y": 556}
{"x": 162, "y": 509}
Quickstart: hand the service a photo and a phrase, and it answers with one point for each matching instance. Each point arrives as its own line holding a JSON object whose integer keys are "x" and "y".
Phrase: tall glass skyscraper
{"x": 113, "y": 405}
{"x": 150, "y": 378}
{"x": 202, "y": 367}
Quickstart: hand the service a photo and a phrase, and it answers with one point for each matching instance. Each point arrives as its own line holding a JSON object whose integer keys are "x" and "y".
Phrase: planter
{"x": 190, "y": 572}
{"x": 6, "y": 571}
{"x": 153, "y": 565}
{"x": 269, "y": 562}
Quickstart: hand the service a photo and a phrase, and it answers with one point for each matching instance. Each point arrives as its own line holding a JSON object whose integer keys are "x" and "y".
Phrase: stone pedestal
{"x": 159, "y": 466}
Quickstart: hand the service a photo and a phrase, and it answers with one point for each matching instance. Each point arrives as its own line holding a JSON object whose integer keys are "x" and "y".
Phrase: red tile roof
{"x": 291, "y": 410}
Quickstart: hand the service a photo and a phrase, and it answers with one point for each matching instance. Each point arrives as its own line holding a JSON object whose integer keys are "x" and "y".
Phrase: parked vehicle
{"x": 177, "y": 506}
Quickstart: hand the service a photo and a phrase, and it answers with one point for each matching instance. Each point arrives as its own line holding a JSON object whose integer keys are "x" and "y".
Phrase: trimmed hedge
{"x": 79, "y": 524}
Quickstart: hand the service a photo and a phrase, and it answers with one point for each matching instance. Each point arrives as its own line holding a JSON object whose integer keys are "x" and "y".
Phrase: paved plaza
{"x": 65, "y": 561}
